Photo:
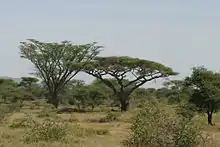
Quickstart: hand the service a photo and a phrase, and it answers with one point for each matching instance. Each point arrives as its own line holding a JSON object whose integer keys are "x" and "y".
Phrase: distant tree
{"x": 6, "y": 87}
{"x": 79, "y": 97}
{"x": 176, "y": 91}
{"x": 206, "y": 91}
{"x": 11, "y": 93}
{"x": 84, "y": 96}
{"x": 121, "y": 69}
{"x": 96, "y": 96}
{"x": 140, "y": 92}
{"x": 150, "y": 91}
{"x": 111, "y": 99}
{"x": 69, "y": 89}
{"x": 108, "y": 91}
{"x": 28, "y": 82}
{"x": 50, "y": 61}
{"x": 7, "y": 82}
{"x": 161, "y": 93}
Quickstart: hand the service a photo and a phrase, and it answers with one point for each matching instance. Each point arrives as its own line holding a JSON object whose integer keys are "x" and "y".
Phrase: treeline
{"x": 56, "y": 65}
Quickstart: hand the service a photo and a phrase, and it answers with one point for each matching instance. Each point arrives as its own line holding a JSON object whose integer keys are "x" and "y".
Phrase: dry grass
{"x": 88, "y": 134}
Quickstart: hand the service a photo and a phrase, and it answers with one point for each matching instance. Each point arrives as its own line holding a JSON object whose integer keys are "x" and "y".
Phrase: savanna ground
{"x": 88, "y": 129}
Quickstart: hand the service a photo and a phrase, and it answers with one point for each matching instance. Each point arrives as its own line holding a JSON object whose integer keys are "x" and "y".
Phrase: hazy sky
{"x": 178, "y": 33}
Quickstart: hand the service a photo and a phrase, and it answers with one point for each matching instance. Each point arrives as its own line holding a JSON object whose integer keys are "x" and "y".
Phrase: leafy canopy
{"x": 206, "y": 89}
{"x": 125, "y": 68}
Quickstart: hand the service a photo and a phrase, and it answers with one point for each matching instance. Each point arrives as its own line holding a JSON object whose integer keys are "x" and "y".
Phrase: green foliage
{"x": 79, "y": 97}
{"x": 158, "y": 126}
{"x": 186, "y": 110}
{"x": 48, "y": 131}
{"x": 206, "y": 91}
{"x": 11, "y": 93}
{"x": 96, "y": 96}
{"x": 86, "y": 96}
{"x": 30, "y": 85}
{"x": 51, "y": 62}
{"x": 28, "y": 82}
{"x": 174, "y": 91}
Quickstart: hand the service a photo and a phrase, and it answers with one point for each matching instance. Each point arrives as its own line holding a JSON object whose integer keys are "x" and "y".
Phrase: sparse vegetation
{"x": 57, "y": 110}
{"x": 26, "y": 122}
{"x": 49, "y": 130}
{"x": 111, "y": 116}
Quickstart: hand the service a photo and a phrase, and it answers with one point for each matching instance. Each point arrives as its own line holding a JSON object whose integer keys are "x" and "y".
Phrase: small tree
{"x": 50, "y": 62}
{"x": 96, "y": 96}
{"x": 121, "y": 68}
{"x": 86, "y": 95}
{"x": 79, "y": 97}
{"x": 206, "y": 91}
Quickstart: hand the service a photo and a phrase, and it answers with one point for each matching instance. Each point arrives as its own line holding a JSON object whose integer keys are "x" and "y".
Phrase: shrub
{"x": 186, "y": 110}
{"x": 49, "y": 106}
{"x": 47, "y": 112}
{"x": 111, "y": 116}
{"x": 78, "y": 131}
{"x": 48, "y": 131}
{"x": 158, "y": 126}
{"x": 101, "y": 131}
{"x": 26, "y": 122}
{"x": 72, "y": 118}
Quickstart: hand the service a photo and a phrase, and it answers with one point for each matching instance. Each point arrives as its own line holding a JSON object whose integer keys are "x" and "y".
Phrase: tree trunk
{"x": 4, "y": 99}
{"x": 124, "y": 101}
{"x": 54, "y": 99}
{"x": 92, "y": 107}
{"x": 209, "y": 118}
{"x": 124, "y": 105}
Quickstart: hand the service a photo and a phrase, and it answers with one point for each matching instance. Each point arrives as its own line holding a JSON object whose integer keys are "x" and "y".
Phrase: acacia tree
{"x": 206, "y": 91}
{"x": 121, "y": 69}
{"x": 50, "y": 62}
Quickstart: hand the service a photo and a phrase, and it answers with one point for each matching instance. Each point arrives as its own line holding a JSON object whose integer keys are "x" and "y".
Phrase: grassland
{"x": 84, "y": 129}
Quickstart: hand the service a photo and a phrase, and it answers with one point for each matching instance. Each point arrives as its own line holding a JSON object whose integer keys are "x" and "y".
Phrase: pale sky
{"x": 177, "y": 33}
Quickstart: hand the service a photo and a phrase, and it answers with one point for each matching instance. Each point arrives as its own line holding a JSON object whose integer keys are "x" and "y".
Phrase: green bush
{"x": 157, "y": 125}
{"x": 48, "y": 131}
